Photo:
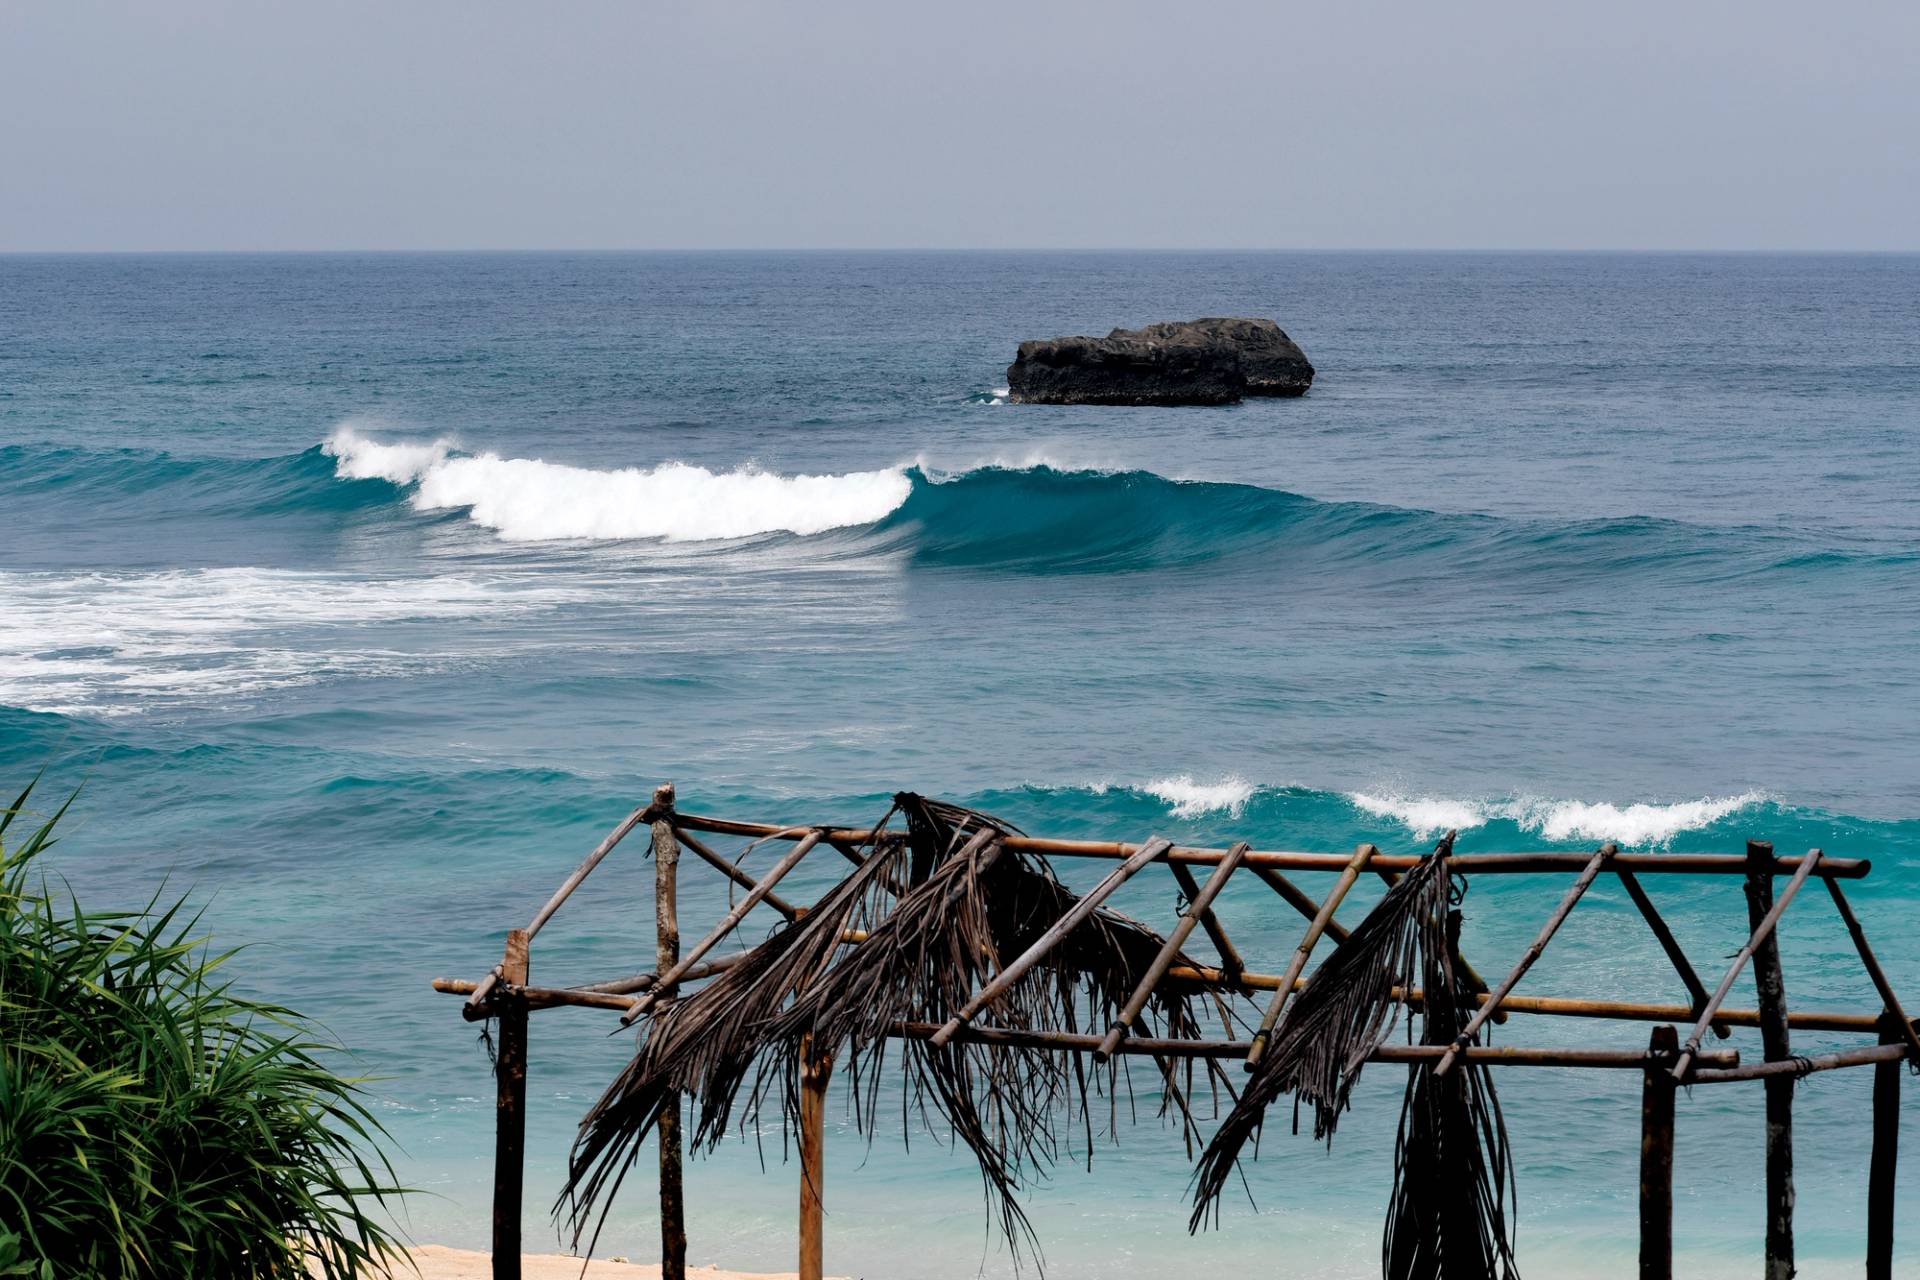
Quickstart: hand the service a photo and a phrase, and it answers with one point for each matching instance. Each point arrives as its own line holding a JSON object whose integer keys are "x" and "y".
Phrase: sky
{"x": 436, "y": 124}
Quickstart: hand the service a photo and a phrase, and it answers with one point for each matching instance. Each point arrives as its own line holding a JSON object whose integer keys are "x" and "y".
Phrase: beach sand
{"x": 437, "y": 1262}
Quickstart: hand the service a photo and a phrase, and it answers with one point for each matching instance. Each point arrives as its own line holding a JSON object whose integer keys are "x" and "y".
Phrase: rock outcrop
{"x": 1216, "y": 360}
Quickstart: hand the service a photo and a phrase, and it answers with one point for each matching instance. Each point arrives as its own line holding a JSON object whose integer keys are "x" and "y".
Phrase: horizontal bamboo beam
{"x": 537, "y": 997}
{"x": 1800, "y": 1066}
{"x": 1491, "y": 1055}
{"x": 1463, "y": 863}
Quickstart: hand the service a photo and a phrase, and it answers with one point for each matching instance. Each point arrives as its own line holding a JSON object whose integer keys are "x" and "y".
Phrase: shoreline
{"x": 442, "y": 1262}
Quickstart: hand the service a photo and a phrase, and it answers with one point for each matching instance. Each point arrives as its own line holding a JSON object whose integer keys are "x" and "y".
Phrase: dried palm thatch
{"x": 969, "y": 906}
{"x": 1453, "y": 1171}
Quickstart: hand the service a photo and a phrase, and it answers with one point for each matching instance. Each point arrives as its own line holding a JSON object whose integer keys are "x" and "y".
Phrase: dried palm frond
{"x": 1452, "y": 1172}
{"x": 1345, "y": 1012}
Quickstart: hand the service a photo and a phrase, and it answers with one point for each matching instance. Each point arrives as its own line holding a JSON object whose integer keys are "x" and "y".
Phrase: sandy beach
{"x": 438, "y": 1262}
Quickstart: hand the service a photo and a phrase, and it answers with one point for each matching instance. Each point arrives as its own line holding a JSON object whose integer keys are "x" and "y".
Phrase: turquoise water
{"x": 365, "y": 592}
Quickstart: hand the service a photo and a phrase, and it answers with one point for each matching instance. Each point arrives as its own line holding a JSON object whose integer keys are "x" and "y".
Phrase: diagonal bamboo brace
{"x": 1533, "y": 953}
{"x": 1198, "y": 906}
{"x": 761, "y": 889}
{"x": 1760, "y": 932}
{"x": 1875, "y": 972}
{"x": 735, "y": 874}
{"x": 1321, "y": 918}
{"x": 1230, "y": 961}
{"x": 1074, "y": 918}
{"x": 1671, "y": 945}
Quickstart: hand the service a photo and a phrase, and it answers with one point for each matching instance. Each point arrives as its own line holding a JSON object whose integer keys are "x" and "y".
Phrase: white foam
{"x": 116, "y": 643}
{"x": 526, "y": 499}
{"x": 1639, "y": 825}
{"x": 1190, "y": 799}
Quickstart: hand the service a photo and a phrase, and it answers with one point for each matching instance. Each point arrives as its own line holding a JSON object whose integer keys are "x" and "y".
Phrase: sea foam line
{"x": 526, "y": 499}
{"x": 1640, "y": 824}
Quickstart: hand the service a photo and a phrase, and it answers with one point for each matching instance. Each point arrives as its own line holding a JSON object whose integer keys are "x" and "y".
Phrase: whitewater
{"x": 362, "y": 631}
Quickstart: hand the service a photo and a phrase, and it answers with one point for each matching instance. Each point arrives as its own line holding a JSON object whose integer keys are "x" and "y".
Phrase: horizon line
{"x": 956, "y": 249}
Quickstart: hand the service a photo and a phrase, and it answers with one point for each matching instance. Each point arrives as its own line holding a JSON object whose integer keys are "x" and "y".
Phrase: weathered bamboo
{"x": 1875, "y": 972}
{"x": 1198, "y": 905}
{"x": 815, "y": 1071}
{"x": 1657, "y": 1091}
{"x": 1770, "y": 983}
{"x": 666, "y": 902}
{"x": 1691, "y": 1048}
{"x": 1230, "y": 959}
{"x": 1492, "y": 1055}
{"x": 1464, "y": 863}
{"x": 1296, "y": 897}
{"x": 1491, "y": 1005}
{"x": 727, "y": 925}
{"x": 510, "y": 1113}
{"x": 533, "y": 997}
{"x": 1886, "y": 1149}
{"x": 573, "y": 881}
{"x": 724, "y": 865}
{"x": 1066, "y": 924}
{"x": 1355, "y": 865}
{"x": 1867, "y": 1056}
{"x": 1689, "y": 978}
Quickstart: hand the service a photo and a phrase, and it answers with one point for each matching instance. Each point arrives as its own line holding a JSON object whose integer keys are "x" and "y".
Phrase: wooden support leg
{"x": 1773, "y": 1039}
{"x": 510, "y": 1115}
{"x": 814, "y": 1074}
{"x": 1657, "y": 1092}
{"x": 666, "y": 867}
{"x": 1886, "y": 1142}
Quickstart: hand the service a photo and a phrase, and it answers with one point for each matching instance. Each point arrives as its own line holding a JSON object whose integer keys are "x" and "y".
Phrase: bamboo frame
{"x": 506, "y": 993}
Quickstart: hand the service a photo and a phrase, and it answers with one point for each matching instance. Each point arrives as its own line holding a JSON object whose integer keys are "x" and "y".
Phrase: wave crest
{"x": 1639, "y": 825}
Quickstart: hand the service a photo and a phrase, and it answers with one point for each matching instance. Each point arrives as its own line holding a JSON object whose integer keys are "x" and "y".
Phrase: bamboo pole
{"x": 666, "y": 904}
{"x": 1866, "y": 1056}
{"x": 1198, "y": 907}
{"x": 815, "y": 1070}
{"x": 1066, "y": 924}
{"x": 1771, "y": 985}
{"x": 727, "y": 925}
{"x": 1294, "y": 896}
{"x": 1286, "y": 860}
{"x": 1881, "y": 1170}
{"x": 1355, "y": 865}
{"x": 1689, "y": 978}
{"x": 567, "y": 886}
{"x": 1492, "y": 1055}
{"x": 726, "y": 868}
{"x": 1760, "y": 931}
{"x": 510, "y": 1114}
{"x": 1657, "y": 1091}
{"x": 1230, "y": 960}
{"x": 1491, "y": 1005}
{"x": 1875, "y": 972}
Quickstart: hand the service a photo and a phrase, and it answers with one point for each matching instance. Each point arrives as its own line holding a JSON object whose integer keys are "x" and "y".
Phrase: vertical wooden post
{"x": 666, "y": 892}
{"x": 1772, "y": 987}
{"x": 510, "y": 1115}
{"x": 1657, "y": 1090}
{"x": 1886, "y": 1142}
{"x": 814, "y": 1073}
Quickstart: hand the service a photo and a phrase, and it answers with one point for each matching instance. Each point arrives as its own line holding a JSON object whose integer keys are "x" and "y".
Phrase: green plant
{"x": 152, "y": 1122}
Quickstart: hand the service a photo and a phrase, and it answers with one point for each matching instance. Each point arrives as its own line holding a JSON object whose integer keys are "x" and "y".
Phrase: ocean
{"x": 362, "y": 594}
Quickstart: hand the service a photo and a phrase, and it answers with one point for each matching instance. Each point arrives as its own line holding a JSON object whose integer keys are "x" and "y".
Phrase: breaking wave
{"x": 1637, "y": 825}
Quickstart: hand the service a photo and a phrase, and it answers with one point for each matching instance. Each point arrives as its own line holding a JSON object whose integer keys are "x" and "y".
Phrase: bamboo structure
{"x": 952, "y": 938}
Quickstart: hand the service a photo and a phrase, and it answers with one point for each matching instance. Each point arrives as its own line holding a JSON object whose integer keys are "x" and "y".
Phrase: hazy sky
{"x": 188, "y": 124}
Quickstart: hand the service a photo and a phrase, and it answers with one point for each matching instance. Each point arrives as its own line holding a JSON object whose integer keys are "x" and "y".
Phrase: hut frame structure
{"x": 1680, "y": 1052}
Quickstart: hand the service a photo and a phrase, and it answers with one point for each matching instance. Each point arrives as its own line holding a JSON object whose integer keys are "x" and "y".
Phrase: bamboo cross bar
{"x": 1197, "y": 908}
{"x": 1691, "y": 1049}
{"x": 1671, "y": 945}
{"x": 1494, "y": 1055}
{"x": 1296, "y": 897}
{"x": 1802, "y": 1065}
{"x": 732, "y": 920}
{"x": 662, "y": 796}
{"x": 1318, "y": 925}
{"x": 1871, "y": 963}
{"x": 726, "y": 868}
{"x": 1527, "y": 863}
{"x": 1072, "y": 920}
{"x": 1492, "y": 1003}
{"x": 1230, "y": 961}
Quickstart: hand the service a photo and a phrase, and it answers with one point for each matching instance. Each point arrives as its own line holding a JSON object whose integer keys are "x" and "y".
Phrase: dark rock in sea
{"x": 1210, "y": 361}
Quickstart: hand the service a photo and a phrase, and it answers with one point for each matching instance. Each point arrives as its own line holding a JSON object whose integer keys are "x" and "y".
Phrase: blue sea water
{"x": 365, "y": 592}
